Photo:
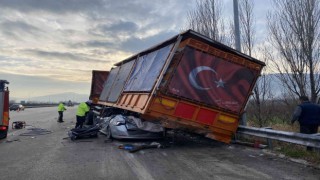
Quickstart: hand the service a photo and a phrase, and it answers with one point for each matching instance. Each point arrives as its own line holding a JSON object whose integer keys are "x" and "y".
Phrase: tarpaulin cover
{"x": 147, "y": 69}
{"x": 98, "y": 79}
{"x": 120, "y": 80}
{"x": 208, "y": 79}
{"x": 108, "y": 84}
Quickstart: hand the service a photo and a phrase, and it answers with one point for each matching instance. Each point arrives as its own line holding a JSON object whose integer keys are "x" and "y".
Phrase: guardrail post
{"x": 269, "y": 141}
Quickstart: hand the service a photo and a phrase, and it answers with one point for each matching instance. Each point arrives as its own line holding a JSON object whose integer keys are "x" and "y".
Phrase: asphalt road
{"x": 53, "y": 156}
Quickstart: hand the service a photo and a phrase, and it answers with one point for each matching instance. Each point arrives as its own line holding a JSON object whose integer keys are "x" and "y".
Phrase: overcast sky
{"x": 51, "y": 46}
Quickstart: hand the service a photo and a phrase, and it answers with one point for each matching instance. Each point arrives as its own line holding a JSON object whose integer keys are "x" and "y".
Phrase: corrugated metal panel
{"x": 108, "y": 84}
{"x": 120, "y": 80}
{"x": 147, "y": 69}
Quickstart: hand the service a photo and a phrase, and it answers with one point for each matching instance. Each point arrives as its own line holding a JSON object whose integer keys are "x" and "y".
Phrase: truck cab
{"x": 4, "y": 108}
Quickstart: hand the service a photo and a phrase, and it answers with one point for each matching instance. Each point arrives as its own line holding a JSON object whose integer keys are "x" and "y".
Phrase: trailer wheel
{"x": 3, "y": 134}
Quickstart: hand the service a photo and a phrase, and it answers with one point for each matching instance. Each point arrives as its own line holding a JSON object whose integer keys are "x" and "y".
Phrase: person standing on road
{"x": 82, "y": 111}
{"x": 61, "y": 108}
{"x": 308, "y": 116}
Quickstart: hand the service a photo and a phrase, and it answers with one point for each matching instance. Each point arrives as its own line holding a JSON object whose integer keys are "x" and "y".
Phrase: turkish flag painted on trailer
{"x": 211, "y": 80}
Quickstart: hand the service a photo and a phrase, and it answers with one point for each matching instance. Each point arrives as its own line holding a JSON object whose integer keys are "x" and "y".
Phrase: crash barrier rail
{"x": 40, "y": 106}
{"x": 311, "y": 140}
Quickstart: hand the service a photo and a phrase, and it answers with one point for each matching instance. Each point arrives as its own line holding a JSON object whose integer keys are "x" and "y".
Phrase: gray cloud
{"x": 15, "y": 29}
{"x": 135, "y": 44}
{"x": 62, "y": 56}
{"x": 38, "y": 36}
{"x": 119, "y": 27}
{"x": 54, "y": 6}
{"x": 114, "y": 29}
{"x": 94, "y": 44}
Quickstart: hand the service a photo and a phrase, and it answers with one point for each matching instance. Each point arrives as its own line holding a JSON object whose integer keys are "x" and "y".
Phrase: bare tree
{"x": 294, "y": 33}
{"x": 206, "y": 19}
{"x": 230, "y": 40}
{"x": 261, "y": 100}
{"x": 247, "y": 26}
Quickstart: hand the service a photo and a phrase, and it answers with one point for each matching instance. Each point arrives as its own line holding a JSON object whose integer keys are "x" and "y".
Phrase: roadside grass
{"x": 287, "y": 149}
{"x": 298, "y": 152}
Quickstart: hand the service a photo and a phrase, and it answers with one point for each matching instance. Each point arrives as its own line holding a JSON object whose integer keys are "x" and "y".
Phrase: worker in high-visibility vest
{"x": 82, "y": 111}
{"x": 61, "y": 108}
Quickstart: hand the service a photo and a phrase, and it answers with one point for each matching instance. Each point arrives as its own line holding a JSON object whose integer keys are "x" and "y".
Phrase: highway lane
{"x": 53, "y": 156}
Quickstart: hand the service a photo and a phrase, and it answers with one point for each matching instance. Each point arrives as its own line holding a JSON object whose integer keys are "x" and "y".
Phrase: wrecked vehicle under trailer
{"x": 187, "y": 82}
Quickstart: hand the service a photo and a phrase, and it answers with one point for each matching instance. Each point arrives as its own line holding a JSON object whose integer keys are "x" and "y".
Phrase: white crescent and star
{"x": 220, "y": 83}
{"x": 193, "y": 75}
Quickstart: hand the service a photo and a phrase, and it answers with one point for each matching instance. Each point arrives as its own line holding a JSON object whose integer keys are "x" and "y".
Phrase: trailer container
{"x": 188, "y": 81}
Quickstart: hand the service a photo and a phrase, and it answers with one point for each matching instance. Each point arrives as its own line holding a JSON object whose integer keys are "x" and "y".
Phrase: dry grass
{"x": 298, "y": 152}
{"x": 286, "y": 127}
{"x": 292, "y": 150}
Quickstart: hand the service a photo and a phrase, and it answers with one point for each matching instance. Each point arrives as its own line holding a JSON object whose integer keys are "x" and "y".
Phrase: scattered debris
{"x": 18, "y": 124}
{"x": 134, "y": 148}
{"x": 85, "y": 141}
{"x": 9, "y": 141}
{"x": 35, "y": 132}
{"x": 255, "y": 144}
{"x": 108, "y": 141}
{"x": 86, "y": 132}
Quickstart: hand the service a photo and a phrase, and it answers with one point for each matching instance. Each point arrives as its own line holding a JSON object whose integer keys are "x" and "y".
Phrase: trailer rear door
{"x": 212, "y": 80}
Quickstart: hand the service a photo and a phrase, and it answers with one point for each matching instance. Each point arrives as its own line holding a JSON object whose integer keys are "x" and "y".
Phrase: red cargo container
{"x": 4, "y": 108}
{"x": 98, "y": 79}
{"x": 188, "y": 81}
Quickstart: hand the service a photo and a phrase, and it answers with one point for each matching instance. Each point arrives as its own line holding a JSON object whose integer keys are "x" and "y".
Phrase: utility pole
{"x": 243, "y": 119}
{"x": 236, "y": 25}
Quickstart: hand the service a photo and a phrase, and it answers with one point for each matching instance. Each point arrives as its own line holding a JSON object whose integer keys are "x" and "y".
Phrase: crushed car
{"x": 129, "y": 127}
{"x": 114, "y": 123}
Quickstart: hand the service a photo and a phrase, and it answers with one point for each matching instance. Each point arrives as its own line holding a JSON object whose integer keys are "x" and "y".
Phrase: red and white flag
{"x": 212, "y": 80}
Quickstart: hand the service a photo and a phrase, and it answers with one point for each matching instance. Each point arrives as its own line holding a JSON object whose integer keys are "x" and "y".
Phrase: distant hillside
{"x": 74, "y": 97}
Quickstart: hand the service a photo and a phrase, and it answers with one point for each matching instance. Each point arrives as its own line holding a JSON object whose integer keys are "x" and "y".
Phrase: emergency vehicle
{"x": 4, "y": 108}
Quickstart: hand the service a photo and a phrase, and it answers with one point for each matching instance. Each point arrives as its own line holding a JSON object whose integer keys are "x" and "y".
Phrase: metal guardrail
{"x": 312, "y": 140}
{"x": 39, "y": 106}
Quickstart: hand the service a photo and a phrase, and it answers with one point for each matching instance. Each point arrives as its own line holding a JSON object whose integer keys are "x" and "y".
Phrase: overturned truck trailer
{"x": 188, "y": 81}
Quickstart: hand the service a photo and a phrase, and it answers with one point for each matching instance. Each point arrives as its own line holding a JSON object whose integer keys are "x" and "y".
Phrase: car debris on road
{"x": 18, "y": 124}
{"x": 35, "y": 132}
{"x": 134, "y": 147}
{"x": 84, "y": 132}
